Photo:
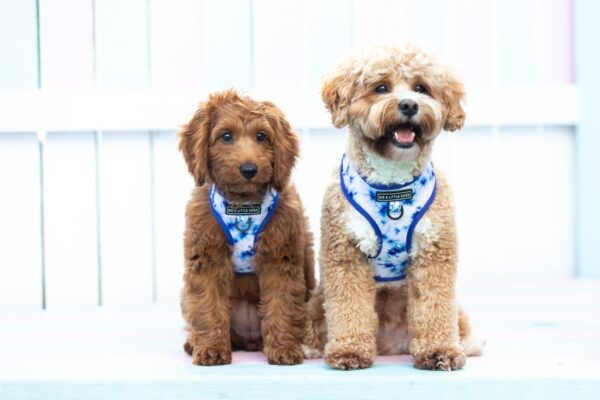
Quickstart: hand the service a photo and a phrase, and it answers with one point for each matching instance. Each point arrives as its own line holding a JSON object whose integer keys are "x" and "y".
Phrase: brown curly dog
{"x": 248, "y": 251}
{"x": 388, "y": 255}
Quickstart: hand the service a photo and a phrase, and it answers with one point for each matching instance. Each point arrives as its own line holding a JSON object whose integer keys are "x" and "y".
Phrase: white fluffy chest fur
{"x": 359, "y": 229}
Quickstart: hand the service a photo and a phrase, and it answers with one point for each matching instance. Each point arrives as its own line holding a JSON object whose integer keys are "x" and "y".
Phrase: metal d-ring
{"x": 243, "y": 224}
{"x": 395, "y": 212}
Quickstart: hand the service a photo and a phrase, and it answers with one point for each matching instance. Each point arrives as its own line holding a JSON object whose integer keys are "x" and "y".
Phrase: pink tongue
{"x": 404, "y": 136}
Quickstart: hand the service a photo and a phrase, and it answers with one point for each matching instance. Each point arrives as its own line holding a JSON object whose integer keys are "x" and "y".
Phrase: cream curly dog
{"x": 388, "y": 238}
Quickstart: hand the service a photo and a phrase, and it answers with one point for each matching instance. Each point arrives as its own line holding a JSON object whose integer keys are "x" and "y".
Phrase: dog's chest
{"x": 362, "y": 233}
{"x": 382, "y": 219}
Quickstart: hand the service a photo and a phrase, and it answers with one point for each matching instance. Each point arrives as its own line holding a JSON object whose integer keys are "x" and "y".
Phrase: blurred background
{"x": 93, "y": 189}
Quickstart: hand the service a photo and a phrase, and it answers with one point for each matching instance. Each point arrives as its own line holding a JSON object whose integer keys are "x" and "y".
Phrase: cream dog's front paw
{"x": 442, "y": 358}
{"x": 350, "y": 357}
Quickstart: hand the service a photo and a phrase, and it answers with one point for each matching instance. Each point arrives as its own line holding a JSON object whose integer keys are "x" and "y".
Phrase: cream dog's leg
{"x": 433, "y": 319}
{"x": 432, "y": 307}
{"x": 349, "y": 292}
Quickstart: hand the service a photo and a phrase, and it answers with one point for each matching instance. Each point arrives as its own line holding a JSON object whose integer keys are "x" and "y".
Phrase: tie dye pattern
{"x": 243, "y": 231}
{"x": 393, "y": 211}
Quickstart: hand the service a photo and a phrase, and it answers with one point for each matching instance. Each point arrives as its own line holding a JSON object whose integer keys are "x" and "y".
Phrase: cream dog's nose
{"x": 408, "y": 107}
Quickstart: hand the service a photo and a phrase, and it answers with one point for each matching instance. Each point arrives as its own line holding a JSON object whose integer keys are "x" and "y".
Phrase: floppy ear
{"x": 336, "y": 94}
{"x": 285, "y": 145}
{"x": 453, "y": 95}
{"x": 193, "y": 141}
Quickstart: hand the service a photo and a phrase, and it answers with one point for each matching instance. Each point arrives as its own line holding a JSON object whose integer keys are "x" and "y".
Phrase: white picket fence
{"x": 92, "y": 186}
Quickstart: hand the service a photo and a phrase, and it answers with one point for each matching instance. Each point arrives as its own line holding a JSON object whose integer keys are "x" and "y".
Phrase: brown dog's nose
{"x": 408, "y": 107}
{"x": 248, "y": 170}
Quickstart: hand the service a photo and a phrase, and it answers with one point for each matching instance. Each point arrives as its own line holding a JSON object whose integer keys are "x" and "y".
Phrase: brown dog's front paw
{"x": 287, "y": 356}
{"x": 448, "y": 358}
{"x": 348, "y": 360}
{"x": 211, "y": 356}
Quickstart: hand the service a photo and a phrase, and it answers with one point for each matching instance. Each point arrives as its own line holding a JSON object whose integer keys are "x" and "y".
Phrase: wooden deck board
{"x": 543, "y": 342}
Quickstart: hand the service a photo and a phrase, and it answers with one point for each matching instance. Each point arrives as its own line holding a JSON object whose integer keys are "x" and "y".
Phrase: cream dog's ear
{"x": 336, "y": 93}
{"x": 453, "y": 95}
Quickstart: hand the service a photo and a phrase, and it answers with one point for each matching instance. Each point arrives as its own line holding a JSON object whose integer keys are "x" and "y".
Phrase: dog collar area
{"x": 242, "y": 225}
{"x": 393, "y": 212}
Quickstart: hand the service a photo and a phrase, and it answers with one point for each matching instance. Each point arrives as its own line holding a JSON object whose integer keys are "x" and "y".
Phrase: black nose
{"x": 248, "y": 170}
{"x": 408, "y": 107}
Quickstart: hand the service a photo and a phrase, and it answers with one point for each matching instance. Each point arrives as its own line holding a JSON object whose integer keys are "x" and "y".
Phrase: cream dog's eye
{"x": 421, "y": 89}
{"x": 382, "y": 89}
{"x": 227, "y": 137}
{"x": 260, "y": 136}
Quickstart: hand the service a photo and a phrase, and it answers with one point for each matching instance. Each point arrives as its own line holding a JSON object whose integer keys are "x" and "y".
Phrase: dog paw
{"x": 348, "y": 360}
{"x": 211, "y": 356}
{"x": 446, "y": 358}
{"x": 285, "y": 356}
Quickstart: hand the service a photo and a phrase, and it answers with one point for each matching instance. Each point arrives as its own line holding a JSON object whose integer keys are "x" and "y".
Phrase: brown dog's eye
{"x": 382, "y": 89}
{"x": 227, "y": 137}
{"x": 421, "y": 89}
{"x": 260, "y": 137}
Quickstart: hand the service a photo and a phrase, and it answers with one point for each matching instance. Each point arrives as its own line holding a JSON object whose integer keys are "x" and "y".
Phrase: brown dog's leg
{"x": 282, "y": 293}
{"x": 433, "y": 312}
{"x": 349, "y": 291}
{"x": 206, "y": 307}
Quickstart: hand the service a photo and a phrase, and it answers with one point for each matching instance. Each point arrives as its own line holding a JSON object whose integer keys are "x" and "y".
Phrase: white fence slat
{"x": 537, "y": 207}
{"x": 66, "y": 44}
{"x": 279, "y": 56}
{"x": 329, "y": 36}
{"x": 125, "y": 218}
{"x": 70, "y": 220}
{"x": 165, "y": 110}
{"x": 472, "y": 182}
{"x": 227, "y": 37}
{"x": 555, "y": 41}
{"x": 173, "y": 186}
{"x": 176, "y": 44}
{"x": 121, "y": 31}
{"x": 516, "y": 42}
{"x": 20, "y": 236}
{"x": 320, "y": 154}
{"x": 427, "y": 23}
{"x": 473, "y": 41}
{"x": 18, "y": 45}
{"x": 371, "y": 22}
{"x": 555, "y": 205}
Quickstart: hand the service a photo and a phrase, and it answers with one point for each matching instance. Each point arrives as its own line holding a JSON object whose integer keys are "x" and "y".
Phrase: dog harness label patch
{"x": 393, "y": 211}
{"x": 254, "y": 209}
{"x": 394, "y": 195}
{"x": 242, "y": 225}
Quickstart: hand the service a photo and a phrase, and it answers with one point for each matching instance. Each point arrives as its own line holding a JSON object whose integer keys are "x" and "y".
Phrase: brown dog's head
{"x": 240, "y": 144}
{"x": 396, "y": 99}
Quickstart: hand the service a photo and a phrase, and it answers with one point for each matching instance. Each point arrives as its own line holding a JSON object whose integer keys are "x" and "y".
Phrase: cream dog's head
{"x": 395, "y": 99}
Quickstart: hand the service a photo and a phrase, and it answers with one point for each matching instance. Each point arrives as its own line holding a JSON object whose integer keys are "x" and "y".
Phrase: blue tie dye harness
{"x": 243, "y": 225}
{"x": 393, "y": 211}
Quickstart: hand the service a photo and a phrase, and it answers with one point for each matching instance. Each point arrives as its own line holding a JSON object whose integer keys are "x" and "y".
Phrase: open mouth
{"x": 403, "y": 135}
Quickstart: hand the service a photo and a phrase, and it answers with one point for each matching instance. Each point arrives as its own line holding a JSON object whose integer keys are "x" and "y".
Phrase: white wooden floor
{"x": 543, "y": 343}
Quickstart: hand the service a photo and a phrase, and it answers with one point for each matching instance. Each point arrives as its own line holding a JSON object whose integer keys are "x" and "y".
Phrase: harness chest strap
{"x": 393, "y": 211}
{"x": 242, "y": 225}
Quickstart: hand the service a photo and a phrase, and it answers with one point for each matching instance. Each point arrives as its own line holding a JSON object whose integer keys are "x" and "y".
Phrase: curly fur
{"x": 353, "y": 318}
{"x": 265, "y": 310}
